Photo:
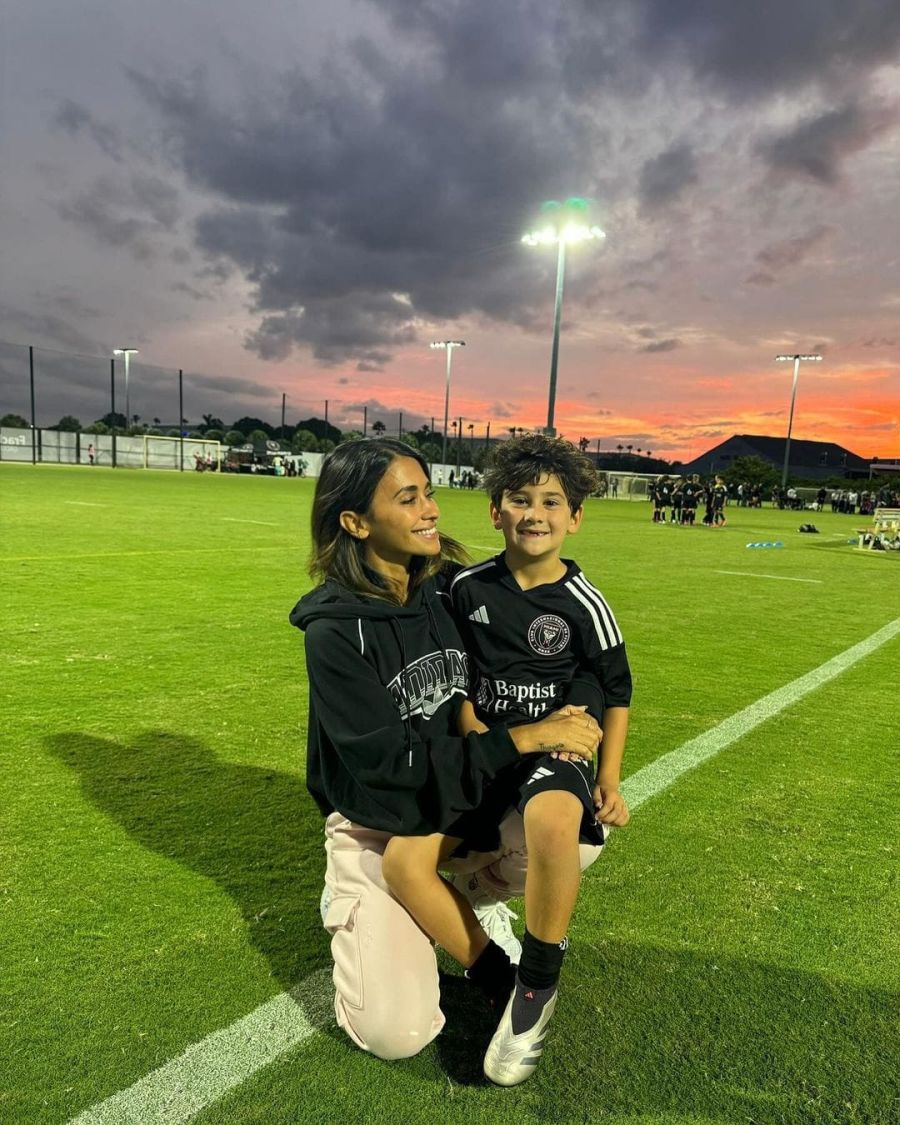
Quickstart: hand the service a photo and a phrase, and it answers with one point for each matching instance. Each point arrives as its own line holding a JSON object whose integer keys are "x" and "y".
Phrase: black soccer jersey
{"x": 526, "y": 646}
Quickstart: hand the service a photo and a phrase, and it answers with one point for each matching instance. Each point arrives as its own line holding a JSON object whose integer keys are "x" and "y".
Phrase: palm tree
{"x": 629, "y": 448}
{"x": 512, "y": 430}
{"x": 583, "y": 443}
{"x": 620, "y": 448}
{"x": 638, "y": 449}
{"x": 649, "y": 454}
{"x": 378, "y": 427}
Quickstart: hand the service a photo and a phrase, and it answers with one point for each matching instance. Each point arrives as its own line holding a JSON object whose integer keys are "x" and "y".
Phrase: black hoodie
{"x": 385, "y": 687}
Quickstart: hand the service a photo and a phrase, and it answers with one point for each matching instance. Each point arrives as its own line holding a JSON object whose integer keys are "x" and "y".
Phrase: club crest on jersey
{"x": 548, "y": 635}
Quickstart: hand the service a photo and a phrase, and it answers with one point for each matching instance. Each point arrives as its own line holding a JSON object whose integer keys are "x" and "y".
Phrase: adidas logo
{"x": 480, "y": 615}
{"x": 540, "y": 772}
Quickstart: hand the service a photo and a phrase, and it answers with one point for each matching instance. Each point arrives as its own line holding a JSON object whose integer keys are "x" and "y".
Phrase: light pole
{"x": 797, "y": 360}
{"x": 565, "y": 225}
{"x": 128, "y": 353}
{"x": 448, "y": 345}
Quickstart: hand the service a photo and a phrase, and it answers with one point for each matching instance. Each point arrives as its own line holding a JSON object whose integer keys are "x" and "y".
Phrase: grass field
{"x": 734, "y": 954}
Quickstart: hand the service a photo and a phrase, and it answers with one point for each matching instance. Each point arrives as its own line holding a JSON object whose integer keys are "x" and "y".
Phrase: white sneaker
{"x": 510, "y": 1059}
{"x": 493, "y": 915}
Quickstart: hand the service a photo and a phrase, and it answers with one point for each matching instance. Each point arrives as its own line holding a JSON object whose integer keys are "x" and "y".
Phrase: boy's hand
{"x": 610, "y": 806}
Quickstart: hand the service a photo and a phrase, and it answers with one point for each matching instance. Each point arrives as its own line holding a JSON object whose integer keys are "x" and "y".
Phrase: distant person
{"x": 660, "y": 494}
{"x": 690, "y": 495}
{"x": 615, "y": 488}
{"x": 91, "y": 453}
{"x": 719, "y": 496}
{"x": 678, "y": 501}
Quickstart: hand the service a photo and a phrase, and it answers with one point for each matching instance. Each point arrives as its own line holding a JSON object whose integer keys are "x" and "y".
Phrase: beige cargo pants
{"x": 387, "y": 997}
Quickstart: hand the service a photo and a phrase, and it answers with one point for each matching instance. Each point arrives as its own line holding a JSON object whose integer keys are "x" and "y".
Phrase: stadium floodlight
{"x": 448, "y": 345}
{"x": 565, "y": 225}
{"x": 128, "y": 353}
{"x": 796, "y": 359}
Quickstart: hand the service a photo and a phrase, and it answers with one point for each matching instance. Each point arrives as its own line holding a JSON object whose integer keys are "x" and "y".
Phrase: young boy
{"x": 534, "y": 626}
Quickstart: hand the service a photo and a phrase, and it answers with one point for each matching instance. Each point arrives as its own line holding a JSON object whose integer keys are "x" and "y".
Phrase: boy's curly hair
{"x": 525, "y": 460}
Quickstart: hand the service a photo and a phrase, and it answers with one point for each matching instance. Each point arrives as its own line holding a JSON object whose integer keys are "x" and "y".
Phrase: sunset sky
{"x": 297, "y": 197}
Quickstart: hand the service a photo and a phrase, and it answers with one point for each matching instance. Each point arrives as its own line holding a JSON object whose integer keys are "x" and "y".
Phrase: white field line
{"x": 263, "y": 523}
{"x": 85, "y": 503}
{"x": 207, "y": 1070}
{"x": 136, "y": 554}
{"x": 662, "y": 772}
{"x": 777, "y": 577}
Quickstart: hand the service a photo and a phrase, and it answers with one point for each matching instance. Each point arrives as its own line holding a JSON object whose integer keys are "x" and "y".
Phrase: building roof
{"x": 825, "y": 458}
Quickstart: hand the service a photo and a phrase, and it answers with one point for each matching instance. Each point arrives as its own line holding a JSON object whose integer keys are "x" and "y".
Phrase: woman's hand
{"x": 567, "y": 731}
{"x": 564, "y": 755}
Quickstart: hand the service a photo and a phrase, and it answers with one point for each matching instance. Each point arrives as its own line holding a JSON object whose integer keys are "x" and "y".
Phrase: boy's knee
{"x": 552, "y": 816}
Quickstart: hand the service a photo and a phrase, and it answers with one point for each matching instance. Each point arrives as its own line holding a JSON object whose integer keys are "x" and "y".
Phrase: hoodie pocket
{"x": 341, "y": 923}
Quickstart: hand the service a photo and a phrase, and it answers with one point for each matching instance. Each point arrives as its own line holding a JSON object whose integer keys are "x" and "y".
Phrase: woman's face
{"x": 401, "y": 522}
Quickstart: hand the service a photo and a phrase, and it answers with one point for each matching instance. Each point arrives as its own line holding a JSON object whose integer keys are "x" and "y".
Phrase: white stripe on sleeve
{"x": 602, "y": 607}
{"x": 589, "y": 606}
{"x": 362, "y": 643}
{"x": 472, "y": 570}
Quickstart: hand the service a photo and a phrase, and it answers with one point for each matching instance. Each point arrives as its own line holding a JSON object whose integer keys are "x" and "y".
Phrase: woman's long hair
{"x": 347, "y": 481}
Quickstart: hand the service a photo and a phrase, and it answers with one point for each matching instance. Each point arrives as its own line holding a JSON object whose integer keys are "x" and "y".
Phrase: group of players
{"x": 683, "y": 495}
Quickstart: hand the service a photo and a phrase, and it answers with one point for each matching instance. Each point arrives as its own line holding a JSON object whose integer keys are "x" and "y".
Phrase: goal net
{"x": 627, "y": 486}
{"x": 164, "y": 452}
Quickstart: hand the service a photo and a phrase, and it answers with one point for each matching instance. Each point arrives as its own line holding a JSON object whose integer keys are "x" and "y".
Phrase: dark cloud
{"x": 882, "y": 342}
{"x": 75, "y": 119}
{"x": 386, "y": 176}
{"x": 779, "y": 256}
{"x": 816, "y": 147}
{"x": 667, "y": 345}
{"x": 46, "y": 327}
{"x": 760, "y": 277}
{"x": 663, "y": 179}
{"x": 125, "y": 212}
{"x": 411, "y": 162}
{"x": 227, "y": 385}
{"x": 503, "y": 410}
{"x": 763, "y": 49}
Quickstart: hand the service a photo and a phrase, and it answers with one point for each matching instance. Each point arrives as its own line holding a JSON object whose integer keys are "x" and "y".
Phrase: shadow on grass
{"x": 254, "y": 831}
{"x": 639, "y": 1030}
{"x": 643, "y": 1030}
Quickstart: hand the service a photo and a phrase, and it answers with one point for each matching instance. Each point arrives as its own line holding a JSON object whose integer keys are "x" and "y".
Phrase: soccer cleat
{"x": 493, "y": 915}
{"x": 511, "y": 1058}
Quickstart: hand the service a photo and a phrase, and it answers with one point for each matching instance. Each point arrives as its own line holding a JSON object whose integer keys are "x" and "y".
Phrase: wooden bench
{"x": 885, "y": 531}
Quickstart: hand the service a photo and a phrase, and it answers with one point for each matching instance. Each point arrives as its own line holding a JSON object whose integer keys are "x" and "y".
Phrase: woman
{"x": 388, "y": 677}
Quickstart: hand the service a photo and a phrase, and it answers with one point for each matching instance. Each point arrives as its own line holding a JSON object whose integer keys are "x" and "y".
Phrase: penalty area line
{"x": 209, "y": 1069}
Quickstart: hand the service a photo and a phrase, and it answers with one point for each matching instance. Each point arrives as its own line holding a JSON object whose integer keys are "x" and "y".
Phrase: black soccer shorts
{"x": 514, "y": 787}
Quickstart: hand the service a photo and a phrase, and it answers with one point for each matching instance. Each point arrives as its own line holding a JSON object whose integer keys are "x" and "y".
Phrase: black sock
{"x": 541, "y": 961}
{"x": 493, "y": 972}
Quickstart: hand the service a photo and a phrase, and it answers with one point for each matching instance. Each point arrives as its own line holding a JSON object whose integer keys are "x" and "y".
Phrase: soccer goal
{"x": 628, "y": 486}
{"x": 164, "y": 452}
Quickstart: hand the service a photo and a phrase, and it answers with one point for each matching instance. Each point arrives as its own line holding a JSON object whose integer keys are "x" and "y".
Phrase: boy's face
{"x": 536, "y": 519}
